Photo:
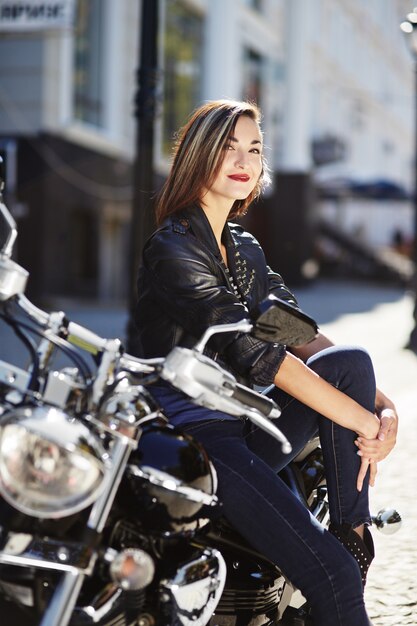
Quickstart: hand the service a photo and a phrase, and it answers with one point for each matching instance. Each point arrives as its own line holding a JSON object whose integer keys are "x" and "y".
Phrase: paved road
{"x": 380, "y": 319}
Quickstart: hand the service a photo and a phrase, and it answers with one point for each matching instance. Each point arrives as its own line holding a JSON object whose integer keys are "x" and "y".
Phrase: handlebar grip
{"x": 255, "y": 400}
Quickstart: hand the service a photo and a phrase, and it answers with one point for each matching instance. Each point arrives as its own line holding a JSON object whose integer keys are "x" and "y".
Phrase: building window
{"x": 253, "y": 70}
{"x": 183, "y": 45}
{"x": 89, "y": 62}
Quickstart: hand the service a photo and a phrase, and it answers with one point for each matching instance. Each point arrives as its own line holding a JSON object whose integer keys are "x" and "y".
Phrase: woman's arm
{"x": 376, "y": 449}
{"x": 298, "y": 380}
{"x": 371, "y": 449}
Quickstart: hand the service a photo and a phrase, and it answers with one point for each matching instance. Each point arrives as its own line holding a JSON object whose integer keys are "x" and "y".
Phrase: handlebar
{"x": 266, "y": 406}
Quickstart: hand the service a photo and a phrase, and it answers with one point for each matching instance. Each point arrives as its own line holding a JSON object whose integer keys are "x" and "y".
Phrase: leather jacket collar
{"x": 196, "y": 220}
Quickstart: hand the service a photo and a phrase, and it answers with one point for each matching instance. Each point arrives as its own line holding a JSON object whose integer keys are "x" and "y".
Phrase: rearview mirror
{"x": 276, "y": 320}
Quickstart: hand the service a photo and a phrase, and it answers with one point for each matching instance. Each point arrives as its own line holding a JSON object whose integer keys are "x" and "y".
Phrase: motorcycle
{"x": 108, "y": 514}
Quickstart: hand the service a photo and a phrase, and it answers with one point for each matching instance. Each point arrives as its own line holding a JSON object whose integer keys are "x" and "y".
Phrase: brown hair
{"x": 198, "y": 156}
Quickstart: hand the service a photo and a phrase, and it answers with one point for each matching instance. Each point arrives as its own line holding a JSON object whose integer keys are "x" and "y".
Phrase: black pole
{"x": 412, "y": 342}
{"x": 142, "y": 223}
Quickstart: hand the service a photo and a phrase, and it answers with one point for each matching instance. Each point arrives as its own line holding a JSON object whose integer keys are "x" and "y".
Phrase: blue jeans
{"x": 264, "y": 510}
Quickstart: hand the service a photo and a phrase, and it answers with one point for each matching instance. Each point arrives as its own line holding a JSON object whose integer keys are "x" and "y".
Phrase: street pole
{"x": 412, "y": 342}
{"x": 409, "y": 27}
{"x": 142, "y": 222}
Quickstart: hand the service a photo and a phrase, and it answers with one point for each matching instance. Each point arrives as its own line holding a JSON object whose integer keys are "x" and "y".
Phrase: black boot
{"x": 361, "y": 549}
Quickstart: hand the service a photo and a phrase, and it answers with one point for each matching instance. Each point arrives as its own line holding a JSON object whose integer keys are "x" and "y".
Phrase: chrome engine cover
{"x": 192, "y": 595}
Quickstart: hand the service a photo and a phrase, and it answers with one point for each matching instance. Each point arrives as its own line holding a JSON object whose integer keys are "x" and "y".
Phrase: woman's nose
{"x": 240, "y": 160}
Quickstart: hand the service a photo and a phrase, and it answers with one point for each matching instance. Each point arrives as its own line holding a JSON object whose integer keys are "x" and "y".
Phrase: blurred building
{"x": 334, "y": 80}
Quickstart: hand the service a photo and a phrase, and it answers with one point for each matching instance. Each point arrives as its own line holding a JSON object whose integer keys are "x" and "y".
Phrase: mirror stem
{"x": 244, "y": 326}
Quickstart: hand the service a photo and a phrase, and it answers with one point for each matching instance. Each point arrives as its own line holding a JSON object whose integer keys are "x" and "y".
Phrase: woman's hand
{"x": 373, "y": 469}
{"x": 387, "y": 413}
{"x": 374, "y": 450}
{"x": 379, "y": 448}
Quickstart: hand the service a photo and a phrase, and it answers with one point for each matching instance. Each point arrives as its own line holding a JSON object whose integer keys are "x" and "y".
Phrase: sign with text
{"x": 33, "y": 15}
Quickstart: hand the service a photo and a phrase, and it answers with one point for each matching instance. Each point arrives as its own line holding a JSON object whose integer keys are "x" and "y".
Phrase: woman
{"x": 199, "y": 269}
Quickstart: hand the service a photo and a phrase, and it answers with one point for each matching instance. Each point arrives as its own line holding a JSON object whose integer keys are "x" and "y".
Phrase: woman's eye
{"x": 256, "y": 151}
{"x": 229, "y": 146}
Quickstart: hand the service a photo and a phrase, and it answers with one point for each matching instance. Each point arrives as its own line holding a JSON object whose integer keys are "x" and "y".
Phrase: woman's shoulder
{"x": 174, "y": 238}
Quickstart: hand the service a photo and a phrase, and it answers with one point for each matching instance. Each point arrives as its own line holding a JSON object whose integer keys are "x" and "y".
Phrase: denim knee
{"x": 350, "y": 358}
{"x": 350, "y": 369}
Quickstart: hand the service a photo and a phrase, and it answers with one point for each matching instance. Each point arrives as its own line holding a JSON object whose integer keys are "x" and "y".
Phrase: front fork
{"x": 64, "y": 599}
{"x": 74, "y": 561}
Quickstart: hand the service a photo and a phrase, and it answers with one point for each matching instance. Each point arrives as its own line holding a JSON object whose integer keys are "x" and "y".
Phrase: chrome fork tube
{"x": 61, "y": 606}
{"x": 101, "y": 508}
{"x": 65, "y": 597}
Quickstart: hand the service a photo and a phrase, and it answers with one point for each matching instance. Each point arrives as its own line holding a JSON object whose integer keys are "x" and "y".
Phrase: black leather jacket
{"x": 184, "y": 287}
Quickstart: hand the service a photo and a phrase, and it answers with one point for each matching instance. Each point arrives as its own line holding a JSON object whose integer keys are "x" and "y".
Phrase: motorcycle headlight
{"x": 50, "y": 465}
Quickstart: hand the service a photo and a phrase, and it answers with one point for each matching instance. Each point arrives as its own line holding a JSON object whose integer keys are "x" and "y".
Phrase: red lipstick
{"x": 243, "y": 178}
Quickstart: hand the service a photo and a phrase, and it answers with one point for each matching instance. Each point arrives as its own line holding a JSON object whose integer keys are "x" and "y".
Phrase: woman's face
{"x": 241, "y": 167}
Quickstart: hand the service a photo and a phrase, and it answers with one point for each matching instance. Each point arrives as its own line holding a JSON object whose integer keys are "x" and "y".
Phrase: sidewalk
{"x": 380, "y": 319}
